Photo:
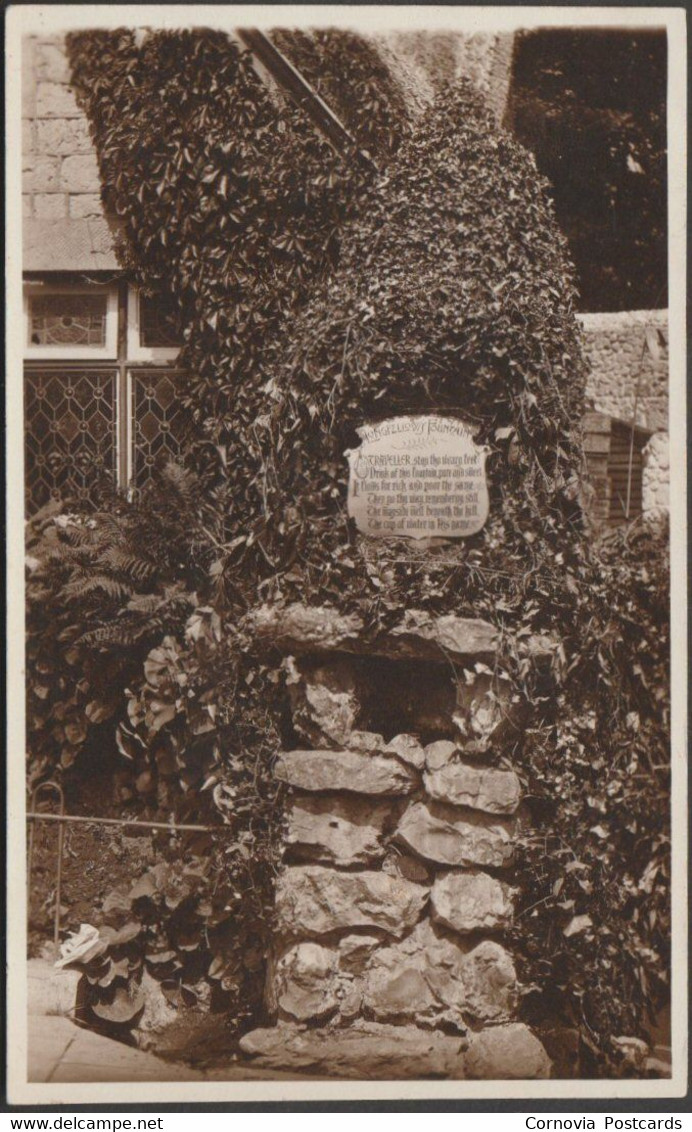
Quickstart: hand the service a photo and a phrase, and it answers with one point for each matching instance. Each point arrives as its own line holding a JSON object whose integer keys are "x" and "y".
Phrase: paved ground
{"x": 62, "y": 1051}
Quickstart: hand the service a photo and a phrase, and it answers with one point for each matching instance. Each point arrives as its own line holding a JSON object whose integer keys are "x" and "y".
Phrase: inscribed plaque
{"x": 418, "y": 477}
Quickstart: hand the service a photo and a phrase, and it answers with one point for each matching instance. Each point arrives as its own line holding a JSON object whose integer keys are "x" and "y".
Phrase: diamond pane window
{"x": 70, "y": 421}
{"x": 158, "y": 322}
{"x": 61, "y": 319}
{"x": 159, "y": 422}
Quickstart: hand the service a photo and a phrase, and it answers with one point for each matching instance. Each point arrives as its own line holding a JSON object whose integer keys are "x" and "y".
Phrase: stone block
{"x": 39, "y": 174}
{"x": 440, "y": 834}
{"x": 84, "y": 205}
{"x": 439, "y": 637}
{"x": 351, "y": 771}
{"x": 27, "y": 137}
{"x": 51, "y": 62}
{"x": 431, "y": 979}
{"x": 303, "y": 628}
{"x": 354, "y": 952}
{"x": 364, "y": 1051}
{"x": 72, "y": 245}
{"x": 316, "y": 901}
{"x": 80, "y": 174}
{"x": 506, "y": 1053}
{"x": 481, "y": 788}
{"x": 369, "y": 741}
{"x": 489, "y": 983}
{"x": 325, "y": 701}
{"x": 28, "y": 77}
{"x": 298, "y": 628}
{"x": 350, "y": 1000}
{"x": 438, "y": 754}
{"x": 50, "y": 206}
{"x": 63, "y": 136}
{"x": 471, "y": 902}
{"x": 27, "y": 207}
{"x": 56, "y": 100}
{"x": 158, "y": 1012}
{"x": 306, "y": 982}
{"x": 408, "y": 749}
{"x": 337, "y": 830}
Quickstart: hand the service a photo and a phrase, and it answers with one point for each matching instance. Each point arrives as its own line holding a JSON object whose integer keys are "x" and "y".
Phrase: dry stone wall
{"x": 623, "y": 348}
{"x": 396, "y": 891}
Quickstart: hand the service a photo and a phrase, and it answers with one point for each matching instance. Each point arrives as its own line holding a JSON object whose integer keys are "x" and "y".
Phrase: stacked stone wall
{"x": 396, "y": 894}
{"x": 59, "y": 168}
{"x": 626, "y": 349}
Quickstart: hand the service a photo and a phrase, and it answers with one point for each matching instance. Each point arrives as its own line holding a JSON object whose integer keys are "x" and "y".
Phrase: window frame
{"x": 136, "y": 352}
{"x": 121, "y": 353}
{"x": 68, "y": 351}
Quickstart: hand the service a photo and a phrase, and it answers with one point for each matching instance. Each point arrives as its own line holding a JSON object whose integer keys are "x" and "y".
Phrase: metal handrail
{"x": 63, "y": 819}
{"x": 61, "y": 838}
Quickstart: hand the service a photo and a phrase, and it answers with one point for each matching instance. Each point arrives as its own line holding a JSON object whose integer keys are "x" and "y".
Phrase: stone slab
{"x": 428, "y": 978}
{"x": 338, "y": 830}
{"x": 314, "y": 901}
{"x": 59, "y": 1051}
{"x": 432, "y": 465}
{"x": 364, "y": 1051}
{"x": 306, "y": 981}
{"x": 482, "y": 788}
{"x": 51, "y": 990}
{"x": 471, "y": 901}
{"x": 297, "y": 628}
{"x": 353, "y": 771}
{"x": 507, "y": 1053}
{"x": 441, "y": 834}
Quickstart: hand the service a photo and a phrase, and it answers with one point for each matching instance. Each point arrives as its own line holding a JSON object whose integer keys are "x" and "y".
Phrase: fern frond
{"x": 82, "y": 587}
{"x": 139, "y": 569}
{"x": 145, "y": 603}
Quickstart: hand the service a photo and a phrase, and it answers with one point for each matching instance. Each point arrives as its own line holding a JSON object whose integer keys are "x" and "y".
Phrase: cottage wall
{"x": 628, "y": 378}
{"x": 64, "y": 224}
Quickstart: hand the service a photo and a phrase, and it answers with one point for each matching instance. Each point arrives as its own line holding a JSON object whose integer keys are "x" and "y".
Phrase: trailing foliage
{"x": 313, "y": 299}
{"x": 185, "y": 714}
{"x": 593, "y": 934}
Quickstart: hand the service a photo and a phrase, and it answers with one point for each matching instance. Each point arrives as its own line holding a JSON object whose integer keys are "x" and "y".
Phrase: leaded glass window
{"x": 70, "y": 421}
{"x": 158, "y": 322}
{"x": 59, "y": 319}
{"x": 90, "y": 422}
{"x": 159, "y": 422}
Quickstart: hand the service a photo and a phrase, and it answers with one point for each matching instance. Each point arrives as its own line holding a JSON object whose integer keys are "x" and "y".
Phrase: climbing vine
{"x": 315, "y": 296}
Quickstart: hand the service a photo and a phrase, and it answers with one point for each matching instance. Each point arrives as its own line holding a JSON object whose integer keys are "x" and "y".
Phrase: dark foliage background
{"x": 591, "y": 104}
{"x": 315, "y": 297}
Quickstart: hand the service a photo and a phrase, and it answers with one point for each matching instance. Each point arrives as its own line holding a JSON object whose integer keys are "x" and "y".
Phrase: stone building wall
{"x": 65, "y": 228}
{"x": 391, "y": 912}
{"x": 656, "y": 474}
{"x": 64, "y": 224}
{"x": 627, "y": 349}
{"x": 623, "y": 348}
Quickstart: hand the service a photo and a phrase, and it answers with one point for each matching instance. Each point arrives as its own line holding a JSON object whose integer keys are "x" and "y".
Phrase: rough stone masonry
{"x": 389, "y": 958}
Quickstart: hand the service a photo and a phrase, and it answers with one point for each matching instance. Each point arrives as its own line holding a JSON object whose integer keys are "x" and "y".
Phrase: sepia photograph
{"x": 347, "y": 378}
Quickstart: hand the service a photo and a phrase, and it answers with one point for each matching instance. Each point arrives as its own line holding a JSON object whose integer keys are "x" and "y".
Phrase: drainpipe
{"x": 302, "y": 94}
